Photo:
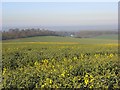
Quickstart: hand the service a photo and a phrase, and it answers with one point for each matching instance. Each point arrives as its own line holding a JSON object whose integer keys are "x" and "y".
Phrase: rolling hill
{"x": 103, "y": 39}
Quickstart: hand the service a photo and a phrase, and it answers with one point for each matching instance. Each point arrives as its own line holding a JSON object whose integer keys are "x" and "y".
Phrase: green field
{"x": 61, "y": 62}
{"x": 97, "y": 40}
{"x": 110, "y": 37}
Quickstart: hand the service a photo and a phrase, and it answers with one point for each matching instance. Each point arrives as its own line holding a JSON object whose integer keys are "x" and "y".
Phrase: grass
{"x": 97, "y": 40}
{"x": 110, "y": 37}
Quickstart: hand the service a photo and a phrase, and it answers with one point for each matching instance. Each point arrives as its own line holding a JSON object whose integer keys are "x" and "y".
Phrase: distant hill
{"x": 91, "y": 34}
{"x": 37, "y": 35}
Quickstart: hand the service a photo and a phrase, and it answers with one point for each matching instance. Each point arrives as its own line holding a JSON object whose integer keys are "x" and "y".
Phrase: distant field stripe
{"x": 44, "y": 43}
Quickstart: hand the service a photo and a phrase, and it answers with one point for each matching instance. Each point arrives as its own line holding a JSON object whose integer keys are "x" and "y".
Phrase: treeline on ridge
{"x": 24, "y": 33}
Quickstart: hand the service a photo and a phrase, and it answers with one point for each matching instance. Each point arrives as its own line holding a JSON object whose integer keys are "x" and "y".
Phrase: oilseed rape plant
{"x": 60, "y": 66}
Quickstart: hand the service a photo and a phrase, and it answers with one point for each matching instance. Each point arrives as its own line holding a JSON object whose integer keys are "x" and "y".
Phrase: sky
{"x": 59, "y": 0}
{"x": 84, "y": 14}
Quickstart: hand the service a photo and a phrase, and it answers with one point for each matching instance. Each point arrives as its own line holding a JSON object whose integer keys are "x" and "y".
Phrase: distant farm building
{"x": 72, "y": 35}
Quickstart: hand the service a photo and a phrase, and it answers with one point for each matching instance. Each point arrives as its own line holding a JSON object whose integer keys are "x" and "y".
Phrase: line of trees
{"x": 23, "y": 33}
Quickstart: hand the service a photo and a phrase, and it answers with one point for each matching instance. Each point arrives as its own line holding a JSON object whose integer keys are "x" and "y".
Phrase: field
{"x": 110, "y": 37}
{"x": 105, "y": 39}
{"x": 61, "y": 62}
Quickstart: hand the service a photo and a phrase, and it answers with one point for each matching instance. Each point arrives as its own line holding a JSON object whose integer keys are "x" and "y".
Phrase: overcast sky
{"x": 60, "y": 13}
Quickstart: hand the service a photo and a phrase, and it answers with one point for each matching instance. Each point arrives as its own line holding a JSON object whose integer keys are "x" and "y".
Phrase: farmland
{"x": 60, "y": 62}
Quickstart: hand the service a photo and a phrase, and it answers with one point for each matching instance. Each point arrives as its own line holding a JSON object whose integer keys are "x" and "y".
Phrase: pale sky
{"x": 59, "y": 0}
{"x": 59, "y": 13}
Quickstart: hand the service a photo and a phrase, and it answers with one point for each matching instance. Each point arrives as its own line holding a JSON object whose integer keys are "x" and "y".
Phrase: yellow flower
{"x": 96, "y": 55}
{"x": 75, "y": 58}
{"x": 4, "y": 71}
{"x": 50, "y": 81}
{"x": 86, "y": 75}
{"x": 91, "y": 78}
{"x": 45, "y": 61}
{"x": 111, "y": 55}
{"x": 36, "y": 63}
{"x": 63, "y": 74}
{"x": 42, "y": 86}
{"x": 71, "y": 67}
{"x": 91, "y": 86}
{"x": 53, "y": 66}
{"x": 86, "y": 81}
